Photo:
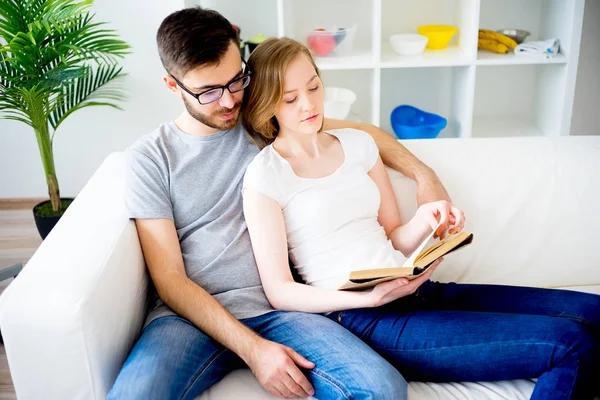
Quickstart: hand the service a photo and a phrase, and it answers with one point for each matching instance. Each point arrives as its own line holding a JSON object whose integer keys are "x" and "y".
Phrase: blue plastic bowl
{"x": 409, "y": 122}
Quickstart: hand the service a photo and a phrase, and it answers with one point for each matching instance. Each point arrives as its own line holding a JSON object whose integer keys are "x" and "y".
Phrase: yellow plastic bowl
{"x": 439, "y": 35}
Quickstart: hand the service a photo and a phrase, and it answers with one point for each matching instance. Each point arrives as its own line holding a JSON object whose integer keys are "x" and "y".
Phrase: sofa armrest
{"x": 71, "y": 316}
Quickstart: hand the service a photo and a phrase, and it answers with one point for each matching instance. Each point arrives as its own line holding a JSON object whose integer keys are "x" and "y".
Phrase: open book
{"x": 414, "y": 266}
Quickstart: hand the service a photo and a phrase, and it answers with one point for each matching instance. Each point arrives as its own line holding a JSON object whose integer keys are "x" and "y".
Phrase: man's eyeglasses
{"x": 216, "y": 93}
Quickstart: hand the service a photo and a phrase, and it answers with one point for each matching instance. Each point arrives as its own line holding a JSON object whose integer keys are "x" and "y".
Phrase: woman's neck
{"x": 292, "y": 144}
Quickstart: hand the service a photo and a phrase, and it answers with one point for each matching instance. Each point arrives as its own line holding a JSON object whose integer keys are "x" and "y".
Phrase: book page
{"x": 414, "y": 266}
{"x": 349, "y": 285}
{"x": 449, "y": 245}
{"x": 432, "y": 248}
{"x": 410, "y": 262}
{"x": 370, "y": 274}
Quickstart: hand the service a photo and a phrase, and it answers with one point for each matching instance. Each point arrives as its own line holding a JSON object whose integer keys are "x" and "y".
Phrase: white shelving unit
{"x": 481, "y": 94}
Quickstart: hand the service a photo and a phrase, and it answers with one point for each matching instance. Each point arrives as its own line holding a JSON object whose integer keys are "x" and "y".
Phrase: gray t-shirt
{"x": 196, "y": 181}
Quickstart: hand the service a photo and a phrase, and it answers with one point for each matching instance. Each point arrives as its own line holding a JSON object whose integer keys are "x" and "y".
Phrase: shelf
{"x": 528, "y": 96}
{"x": 450, "y": 57}
{"x": 361, "y": 83}
{"x": 434, "y": 90}
{"x": 246, "y": 21}
{"x": 448, "y": 133}
{"x": 489, "y": 58}
{"x": 505, "y": 126}
{"x": 362, "y": 60}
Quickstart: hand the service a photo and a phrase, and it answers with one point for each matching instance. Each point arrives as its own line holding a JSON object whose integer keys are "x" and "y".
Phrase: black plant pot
{"x": 44, "y": 223}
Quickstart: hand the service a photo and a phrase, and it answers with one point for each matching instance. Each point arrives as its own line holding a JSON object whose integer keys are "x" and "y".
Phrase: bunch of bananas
{"x": 495, "y": 41}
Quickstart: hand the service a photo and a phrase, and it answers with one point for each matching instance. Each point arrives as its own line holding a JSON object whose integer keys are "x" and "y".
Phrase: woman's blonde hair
{"x": 268, "y": 63}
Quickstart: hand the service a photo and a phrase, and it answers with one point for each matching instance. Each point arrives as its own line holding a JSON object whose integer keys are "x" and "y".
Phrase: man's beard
{"x": 213, "y": 120}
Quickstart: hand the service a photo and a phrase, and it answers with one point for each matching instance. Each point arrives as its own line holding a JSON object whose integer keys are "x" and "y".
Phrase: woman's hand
{"x": 444, "y": 214}
{"x": 387, "y": 292}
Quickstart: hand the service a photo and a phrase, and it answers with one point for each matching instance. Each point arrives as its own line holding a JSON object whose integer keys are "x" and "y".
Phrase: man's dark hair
{"x": 193, "y": 37}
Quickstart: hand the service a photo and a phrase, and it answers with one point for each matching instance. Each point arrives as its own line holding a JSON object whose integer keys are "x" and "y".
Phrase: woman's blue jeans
{"x": 467, "y": 332}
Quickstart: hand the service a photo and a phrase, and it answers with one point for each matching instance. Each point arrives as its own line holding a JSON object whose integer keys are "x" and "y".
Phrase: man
{"x": 184, "y": 192}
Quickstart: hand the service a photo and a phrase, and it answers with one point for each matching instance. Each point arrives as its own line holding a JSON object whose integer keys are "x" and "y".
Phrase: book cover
{"x": 419, "y": 261}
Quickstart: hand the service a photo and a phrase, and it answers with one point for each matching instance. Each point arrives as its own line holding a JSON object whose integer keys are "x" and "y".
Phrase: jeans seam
{"x": 475, "y": 345}
{"x": 478, "y": 345}
{"x": 200, "y": 373}
{"x": 574, "y": 318}
{"x": 331, "y": 380}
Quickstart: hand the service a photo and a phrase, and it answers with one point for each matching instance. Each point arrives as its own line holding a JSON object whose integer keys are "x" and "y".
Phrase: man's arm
{"x": 395, "y": 155}
{"x": 273, "y": 364}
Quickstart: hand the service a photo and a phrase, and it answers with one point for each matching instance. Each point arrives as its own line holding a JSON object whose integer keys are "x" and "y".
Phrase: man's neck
{"x": 190, "y": 125}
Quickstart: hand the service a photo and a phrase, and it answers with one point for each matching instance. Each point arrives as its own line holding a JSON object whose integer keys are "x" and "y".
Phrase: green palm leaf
{"x": 96, "y": 87}
{"x": 55, "y": 59}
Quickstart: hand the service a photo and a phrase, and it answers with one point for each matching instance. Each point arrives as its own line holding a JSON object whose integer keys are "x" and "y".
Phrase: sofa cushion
{"x": 241, "y": 384}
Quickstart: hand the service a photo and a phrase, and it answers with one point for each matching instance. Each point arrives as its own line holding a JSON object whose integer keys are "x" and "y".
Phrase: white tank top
{"x": 331, "y": 222}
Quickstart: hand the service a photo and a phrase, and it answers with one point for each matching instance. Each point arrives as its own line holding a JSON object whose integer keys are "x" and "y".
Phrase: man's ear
{"x": 171, "y": 84}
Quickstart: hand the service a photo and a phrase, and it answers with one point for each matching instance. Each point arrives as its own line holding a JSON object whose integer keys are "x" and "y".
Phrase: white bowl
{"x": 338, "y": 102}
{"x": 408, "y": 44}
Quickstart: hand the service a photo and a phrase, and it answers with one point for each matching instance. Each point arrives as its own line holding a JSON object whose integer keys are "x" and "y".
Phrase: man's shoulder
{"x": 155, "y": 139}
{"x": 152, "y": 145}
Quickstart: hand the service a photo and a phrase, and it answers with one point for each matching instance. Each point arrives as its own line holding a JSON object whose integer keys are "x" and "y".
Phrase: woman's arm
{"x": 394, "y": 154}
{"x": 406, "y": 237}
{"x": 267, "y": 233}
{"x": 269, "y": 242}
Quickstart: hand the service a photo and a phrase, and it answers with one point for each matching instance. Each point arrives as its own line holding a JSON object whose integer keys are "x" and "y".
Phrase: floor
{"x": 18, "y": 241}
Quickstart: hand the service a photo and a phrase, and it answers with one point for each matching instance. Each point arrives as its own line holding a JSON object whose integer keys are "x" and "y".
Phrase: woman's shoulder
{"x": 266, "y": 161}
{"x": 351, "y": 133}
{"x": 352, "y": 136}
{"x": 358, "y": 145}
{"x": 264, "y": 174}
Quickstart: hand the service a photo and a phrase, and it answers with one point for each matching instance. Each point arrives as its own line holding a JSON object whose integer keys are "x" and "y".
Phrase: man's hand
{"x": 276, "y": 368}
{"x": 387, "y": 292}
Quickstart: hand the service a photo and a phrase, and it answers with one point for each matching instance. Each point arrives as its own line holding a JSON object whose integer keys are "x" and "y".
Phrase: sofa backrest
{"x": 532, "y": 204}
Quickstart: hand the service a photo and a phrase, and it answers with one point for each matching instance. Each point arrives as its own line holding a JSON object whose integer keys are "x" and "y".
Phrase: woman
{"x": 326, "y": 198}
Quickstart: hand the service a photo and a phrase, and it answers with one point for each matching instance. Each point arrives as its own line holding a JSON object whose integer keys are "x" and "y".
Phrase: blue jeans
{"x": 466, "y": 332}
{"x": 174, "y": 360}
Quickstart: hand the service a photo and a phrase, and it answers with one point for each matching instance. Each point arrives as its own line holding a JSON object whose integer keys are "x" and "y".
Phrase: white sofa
{"x": 71, "y": 317}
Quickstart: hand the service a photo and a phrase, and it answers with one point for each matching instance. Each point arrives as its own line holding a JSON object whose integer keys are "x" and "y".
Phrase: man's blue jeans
{"x": 465, "y": 332}
{"x": 174, "y": 360}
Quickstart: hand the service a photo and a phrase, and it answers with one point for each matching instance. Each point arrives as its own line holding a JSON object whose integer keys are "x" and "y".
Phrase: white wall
{"x": 88, "y": 136}
{"x": 586, "y": 119}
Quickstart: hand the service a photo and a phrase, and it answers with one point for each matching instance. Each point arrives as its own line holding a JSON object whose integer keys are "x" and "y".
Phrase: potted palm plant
{"x": 54, "y": 60}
